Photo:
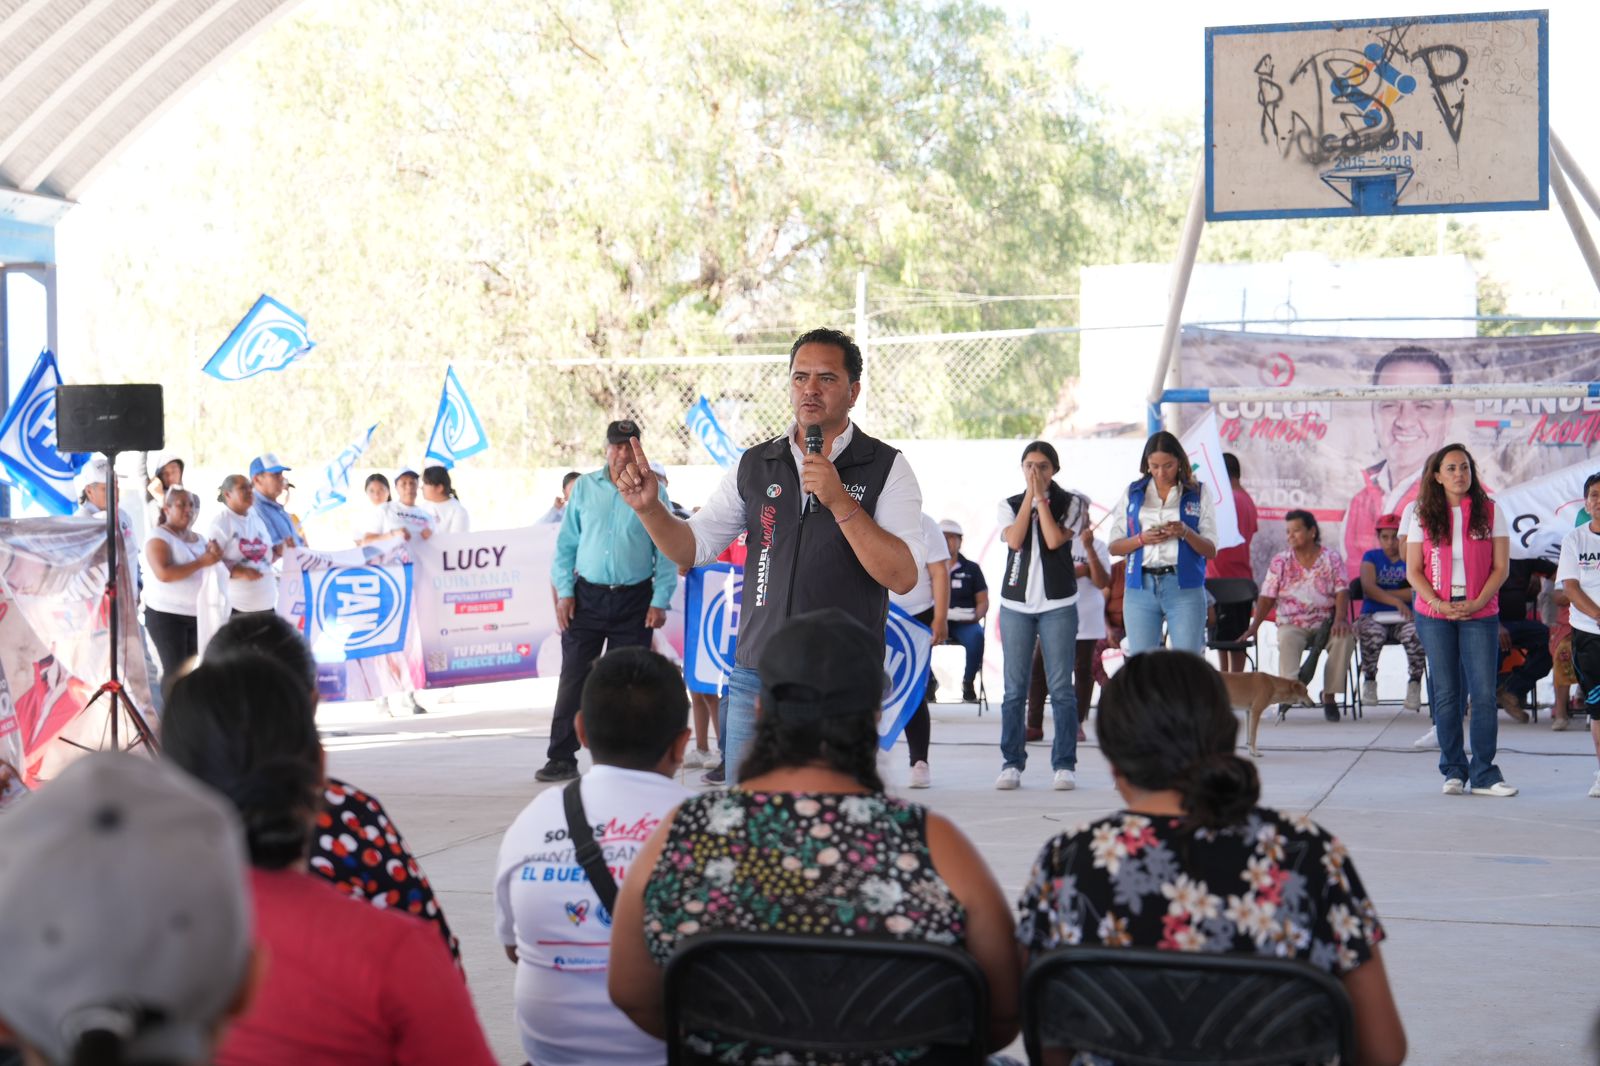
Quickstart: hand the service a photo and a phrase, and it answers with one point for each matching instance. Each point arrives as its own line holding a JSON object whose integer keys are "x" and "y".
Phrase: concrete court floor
{"x": 1492, "y": 906}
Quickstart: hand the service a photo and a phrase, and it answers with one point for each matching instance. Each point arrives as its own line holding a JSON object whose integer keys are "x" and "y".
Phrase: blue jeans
{"x": 970, "y": 636}
{"x": 1454, "y": 649}
{"x": 739, "y": 728}
{"x": 1161, "y": 597}
{"x": 1057, "y": 635}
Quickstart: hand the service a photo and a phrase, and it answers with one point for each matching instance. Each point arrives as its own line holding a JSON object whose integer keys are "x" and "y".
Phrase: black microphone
{"x": 813, "y": 447}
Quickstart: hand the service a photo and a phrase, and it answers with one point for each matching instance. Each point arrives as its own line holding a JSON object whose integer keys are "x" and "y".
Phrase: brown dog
{"x": 1256, "y": 692}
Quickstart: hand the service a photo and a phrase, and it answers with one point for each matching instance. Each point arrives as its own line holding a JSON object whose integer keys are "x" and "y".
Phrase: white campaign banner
{"x": 1541, "y": 512}
{"x": 55, "y": 640}
{"x": 1204, "y": 445}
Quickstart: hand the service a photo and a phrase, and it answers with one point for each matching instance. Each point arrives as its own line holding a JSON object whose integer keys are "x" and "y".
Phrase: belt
{"x": 611, "y": 588}
{"x": 1159, "y": 571}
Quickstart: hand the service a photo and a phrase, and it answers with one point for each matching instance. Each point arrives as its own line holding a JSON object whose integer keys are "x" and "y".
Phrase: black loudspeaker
{"x": 109, "y": 418}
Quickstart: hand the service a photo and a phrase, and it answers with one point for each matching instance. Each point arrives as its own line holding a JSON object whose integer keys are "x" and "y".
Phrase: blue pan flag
{"x": 457, "y": 433}
{"x": 28, "y": 442}
{"x": 269, "y": 337}
{"x": 702, "y": 422}
{"x": 907, "y": 660}
{"x": 333, "y": 484}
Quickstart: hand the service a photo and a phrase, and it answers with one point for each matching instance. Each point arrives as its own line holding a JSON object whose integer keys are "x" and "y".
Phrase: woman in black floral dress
{"x": 1193, "y": 864}
{"x": 809, "y": 843}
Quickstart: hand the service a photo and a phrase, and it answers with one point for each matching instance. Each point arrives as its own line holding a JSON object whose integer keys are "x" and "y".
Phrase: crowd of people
{"x": 254, "y": 945}
{"x": 323, "y": 940}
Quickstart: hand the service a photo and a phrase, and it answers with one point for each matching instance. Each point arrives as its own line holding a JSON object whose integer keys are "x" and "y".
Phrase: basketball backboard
{"x": 1378, "y": 116}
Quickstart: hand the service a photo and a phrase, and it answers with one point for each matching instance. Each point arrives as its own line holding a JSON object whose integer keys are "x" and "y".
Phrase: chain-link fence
{"x": 920, "y": 386}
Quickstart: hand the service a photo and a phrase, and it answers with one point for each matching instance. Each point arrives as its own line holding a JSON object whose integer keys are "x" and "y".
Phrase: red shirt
{"x": 347, "y": 983}
{"x": 735, "y": 552}
{"x": 1235, "y": 561}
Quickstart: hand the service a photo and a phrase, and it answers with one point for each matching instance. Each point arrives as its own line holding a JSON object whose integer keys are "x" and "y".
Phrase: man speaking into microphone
{"x": 862, "y": 537}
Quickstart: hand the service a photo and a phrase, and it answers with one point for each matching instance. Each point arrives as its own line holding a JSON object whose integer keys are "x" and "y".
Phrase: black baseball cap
{"x": 621, "y": 431}
{"x": 822, "y": 663}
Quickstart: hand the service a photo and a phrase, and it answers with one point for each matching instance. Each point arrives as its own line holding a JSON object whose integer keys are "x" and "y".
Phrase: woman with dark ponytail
{"x": 1193, "y": 864}
{"x": 345, "y": 983}
{"x": 439, "y": 497}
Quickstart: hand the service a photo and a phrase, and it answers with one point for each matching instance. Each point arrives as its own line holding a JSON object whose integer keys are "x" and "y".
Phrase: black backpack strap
{"x": 585, "y": 849}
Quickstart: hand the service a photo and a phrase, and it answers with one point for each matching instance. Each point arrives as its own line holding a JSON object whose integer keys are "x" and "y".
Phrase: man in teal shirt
{"x": 612, "y": 589}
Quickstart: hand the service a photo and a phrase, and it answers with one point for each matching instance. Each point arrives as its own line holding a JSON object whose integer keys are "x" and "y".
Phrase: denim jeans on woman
{"x": 1472, "y": 649}
{"x": 1162, "y": 597}
{"x": 1057, "y": 634}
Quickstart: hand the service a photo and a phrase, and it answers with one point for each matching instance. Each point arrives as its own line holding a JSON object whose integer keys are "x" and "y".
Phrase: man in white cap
{"x": 124, "y": 916}
{"x": 969, "y": 605}
{"x": 267, "y": 482}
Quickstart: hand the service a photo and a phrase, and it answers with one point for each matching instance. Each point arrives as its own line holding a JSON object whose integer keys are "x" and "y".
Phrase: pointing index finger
{"x": 638, "y": 455}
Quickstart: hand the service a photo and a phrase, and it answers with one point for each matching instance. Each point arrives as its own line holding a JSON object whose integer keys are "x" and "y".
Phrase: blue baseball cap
{"x": 266, "y": 464}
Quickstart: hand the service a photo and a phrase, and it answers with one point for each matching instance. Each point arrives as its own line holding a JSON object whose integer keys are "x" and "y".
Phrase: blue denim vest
{"x": 1191, "y": 564}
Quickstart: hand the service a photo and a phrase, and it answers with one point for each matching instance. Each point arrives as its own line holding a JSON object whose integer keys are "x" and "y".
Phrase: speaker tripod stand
{"x": 120, "y": 704}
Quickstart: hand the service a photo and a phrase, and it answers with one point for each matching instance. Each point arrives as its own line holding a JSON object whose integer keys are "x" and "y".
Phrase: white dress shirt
{"x": 1157, "y": 511}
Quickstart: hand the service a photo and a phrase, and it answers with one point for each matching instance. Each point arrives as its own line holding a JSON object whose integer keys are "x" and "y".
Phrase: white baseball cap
{"x": 951, "y": 526}
{"x": 124, "y": 906}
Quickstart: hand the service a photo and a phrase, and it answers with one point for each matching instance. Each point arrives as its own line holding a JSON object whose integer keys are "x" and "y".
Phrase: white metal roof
{"x": 79, "y": 78}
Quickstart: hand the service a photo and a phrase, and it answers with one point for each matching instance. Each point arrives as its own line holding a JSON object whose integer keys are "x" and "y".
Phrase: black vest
{"x": 829, "y": 574}
{"x": 1070, "y": 510}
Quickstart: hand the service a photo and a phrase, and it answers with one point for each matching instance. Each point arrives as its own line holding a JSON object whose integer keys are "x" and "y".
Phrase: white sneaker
{"x": 1413, "y": 695}
{"x": 1009, "y": 779}
{"x": 1594, "y": 789}
{"x": 1499, "y": 788}
{"x": 921, "y": 777}
{"x": 1064, "y": 781}
{"x": 1454, "y": 786}
{"x": 1430, "y": 739}
{"x": 1369, "y": 690}
{"x": 695, "y": 759}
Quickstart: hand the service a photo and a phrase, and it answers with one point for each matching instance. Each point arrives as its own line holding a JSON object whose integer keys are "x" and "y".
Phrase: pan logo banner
{"x": 1350, "y": 463}
{"x": 711, "y": 629}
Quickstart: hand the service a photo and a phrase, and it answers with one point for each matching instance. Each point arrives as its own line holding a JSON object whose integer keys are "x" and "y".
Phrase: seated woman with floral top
{"x": 1307, "y": 585}
{"x": 809, "y": 843}
{"x": 1193, "y": 864}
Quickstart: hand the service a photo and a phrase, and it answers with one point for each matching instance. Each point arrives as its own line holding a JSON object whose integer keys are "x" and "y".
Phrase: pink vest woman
{"x": 1457, "y": 554}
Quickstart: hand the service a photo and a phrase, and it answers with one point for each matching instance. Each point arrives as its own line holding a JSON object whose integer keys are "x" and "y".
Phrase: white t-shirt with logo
{"x": 1580, "y": 562}
{"x": 1410, "y": 527}
{"x": 245, "y": 539}
{"x": 449, "y": 516}
{"x": 413, "y": 518}
{"x": 920, "y": 598}
{"x": 544, "y": 905}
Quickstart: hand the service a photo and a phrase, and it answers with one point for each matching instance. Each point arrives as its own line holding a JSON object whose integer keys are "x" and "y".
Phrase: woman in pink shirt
{"x": 1458, "y": 551}
{"x": 345, "y": 982}
{"x": 1307, "y": 585}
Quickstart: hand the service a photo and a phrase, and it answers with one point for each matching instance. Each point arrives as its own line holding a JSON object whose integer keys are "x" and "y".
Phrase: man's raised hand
{"x": 636, "y": 482}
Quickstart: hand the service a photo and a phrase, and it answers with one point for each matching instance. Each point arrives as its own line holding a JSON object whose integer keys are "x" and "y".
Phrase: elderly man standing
{"x": 267, "y": 482}
{"x": 612, "y": 589}
{"x": 833, "y": 518}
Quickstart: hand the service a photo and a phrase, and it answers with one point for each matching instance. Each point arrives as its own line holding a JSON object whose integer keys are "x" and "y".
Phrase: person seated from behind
{"x": 124, "y": 917}
{"x": 1525, "y": 658}
{"x": 345, "y": 982}
{"x": 356, "y": 844}
{"x": 1193, "y": 864}
{"x": 809, "y": 842}
{"x": 633, "y": 718}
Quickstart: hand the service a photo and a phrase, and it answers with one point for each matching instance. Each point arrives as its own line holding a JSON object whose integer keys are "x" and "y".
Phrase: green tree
{"x": 517, "y": 187}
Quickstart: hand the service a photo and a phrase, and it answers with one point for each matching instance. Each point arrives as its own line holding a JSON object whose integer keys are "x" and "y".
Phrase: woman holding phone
{"x": 1166, "y": 526}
